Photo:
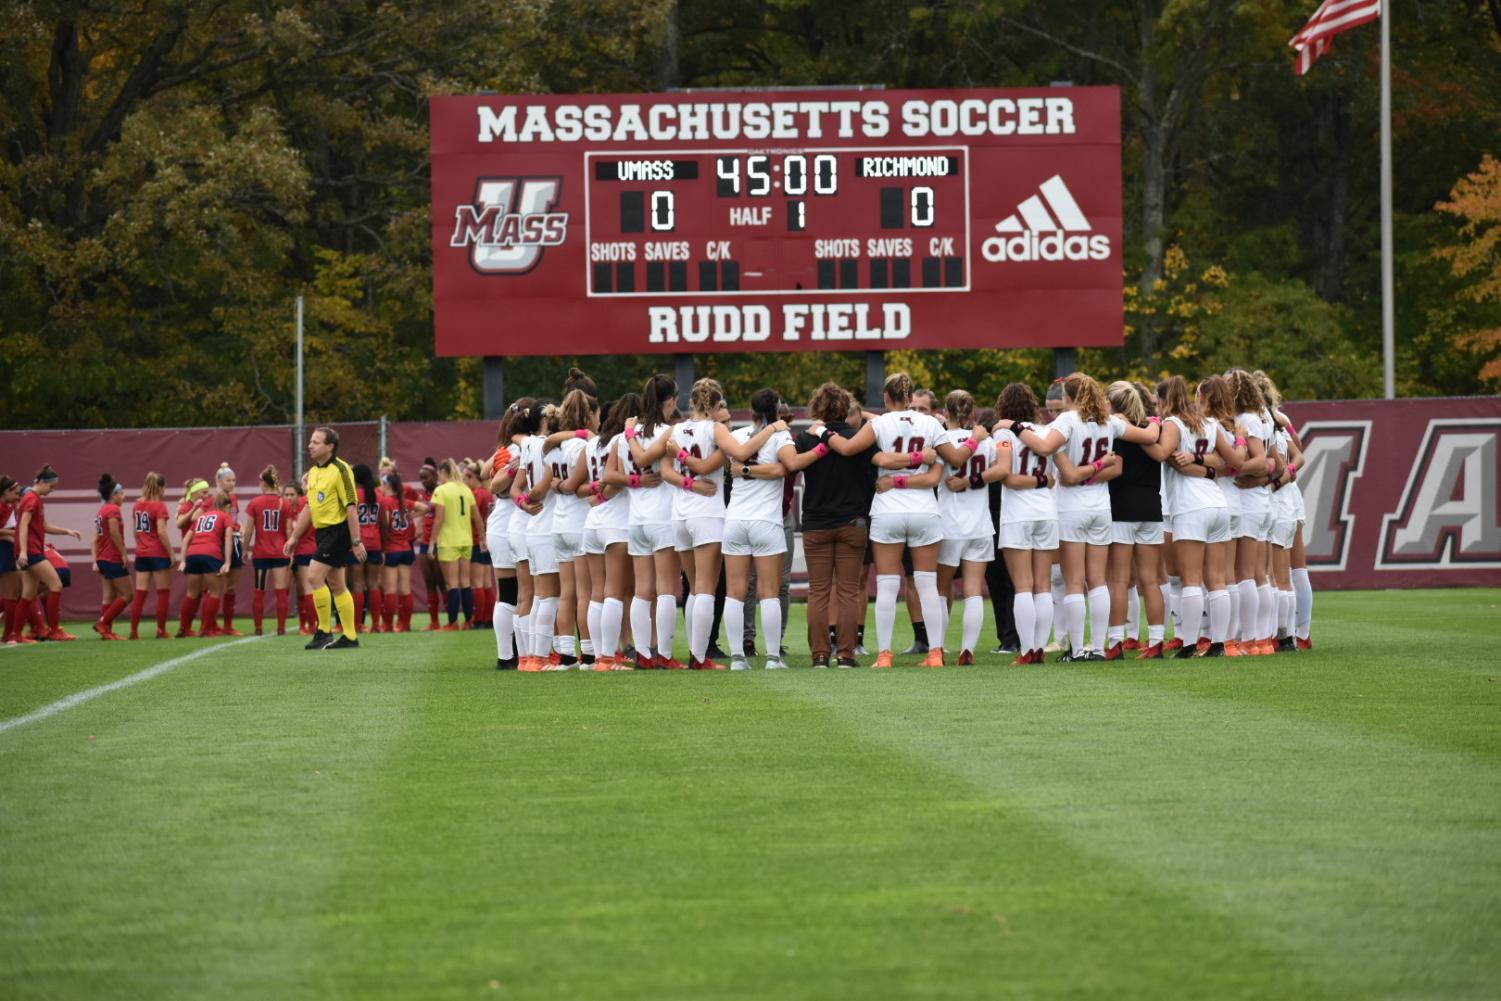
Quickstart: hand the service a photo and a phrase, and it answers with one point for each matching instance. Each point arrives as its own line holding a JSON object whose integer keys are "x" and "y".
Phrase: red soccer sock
{"x": 389, "y": 605}
{"x": 283, "y": 601}
{"x": 377, "y": 604}
{"x": 309, "y": 611}
{"x": 229, "y": 611}
{"x": 54, "y": 609}
{"x": 111, "y": 611}
{"x": 210, "y": 613}
{"x": 407, "y": 604}
{"x": 163, "y": 608}
{"x": 12, "y": 618}
{"x": 432, "y": 605}
{"x": 189, "y": 610}
{"x": 359, "y": 611}
{"x": 258, "y": 609}
{"x": 31, "y": 613}
{"x": 137, "y": 609}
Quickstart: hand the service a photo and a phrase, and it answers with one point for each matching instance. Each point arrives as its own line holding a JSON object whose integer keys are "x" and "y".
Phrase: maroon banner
{"x": 1398, "y": 493}
{"x": 792, "y": 221}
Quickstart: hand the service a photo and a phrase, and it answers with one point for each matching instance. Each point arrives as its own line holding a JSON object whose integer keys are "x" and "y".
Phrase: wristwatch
{"x": 745, "y": 471}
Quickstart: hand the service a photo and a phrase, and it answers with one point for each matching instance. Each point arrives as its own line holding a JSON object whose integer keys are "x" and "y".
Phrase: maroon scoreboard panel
{"x": 781, "y": 221}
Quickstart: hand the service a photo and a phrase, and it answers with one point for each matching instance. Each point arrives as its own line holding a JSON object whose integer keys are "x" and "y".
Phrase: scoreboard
{"x": 794, "y": 220}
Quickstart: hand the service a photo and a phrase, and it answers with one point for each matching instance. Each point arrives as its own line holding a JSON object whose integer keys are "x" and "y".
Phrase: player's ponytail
{"x": 271, "y": 478}
{"x": 46, "y": 474}
{"x": 1176, "y": 402}
{"x": 1216, "y": 400}
{"x": 107, "y": 486}
{"x": 576, "y": 411}
{"x": 765, "y": 404}
{"x": 960, "y": 407}
{"x": 448, "y": 469}
{"x": 628, "y": 405}
{"x": 392, "y": 479}
{"x": 898, "y": 389}
{"x": 658, "y": 393}
{"x": 581, "y": 382}
{"x": 364, "y": 481}
{"x": 1126, "y": 401}
{"x": 1247, "y": 395}
{"x": 1087, "y": 397}
{"x": 706, "y": 397}
{"x": 223, "y": 473}
{"x": 1268, "y": 390}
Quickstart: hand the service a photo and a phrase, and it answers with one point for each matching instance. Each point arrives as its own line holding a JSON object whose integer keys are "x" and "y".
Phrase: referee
{"x": 332, "y": 512}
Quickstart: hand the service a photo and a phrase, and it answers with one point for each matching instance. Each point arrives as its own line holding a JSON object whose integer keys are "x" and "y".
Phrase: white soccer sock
{"x": 1234, "y": 628}
{"x": 564, "y": 645}
{"x": 1133, "y": 613}
{"x": 522, "y": 626}
{"x": 667, "y": 624}
{"x": 1155, "y": 634}
{"x": 1042, "y": 604}
{"x": 887, "y": 586}
{"x": 1057, "y": 586}
{"x": 698, "y": 629}
{"x": 1287, "y": 603}
{"x": 1303, "y": 591}
{"x": 1114, "y": 635}
{"x": 1099, "y": 617}
{"x": 596, "y": 609}
{"x": 1266, "y": 619}
{"x": 1175, "y": 603}
{"x": 771, "y": 626}
{"x": 1024, "y": 610}
{"x": 1073, "y": 621}
{"x": 611, "y": 611}
{"x": 1193, "y": 608}
{"x": 926, "y": 582}
{"x": 734, "y": 619}
{"x": 505, "y": 630}
{"x": 544, "y": 624}
{"x": 641, "y": 626}
{"x": 1219, "y": 615}
{"x": 1248, "y": 609}
{"x": 974, "y": 619}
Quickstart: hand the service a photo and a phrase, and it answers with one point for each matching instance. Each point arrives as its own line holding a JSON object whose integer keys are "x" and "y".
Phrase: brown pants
{"x": 836, "y": 574}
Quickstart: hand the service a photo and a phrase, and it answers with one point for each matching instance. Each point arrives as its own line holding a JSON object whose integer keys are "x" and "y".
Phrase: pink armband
{"x": 1240, "y": 443}
{"x": 1154, "y": 419}
{"x": 581, "y": 433}
{"x": 1292, "y": 467}
{"x": 595, "y": 488}
{"x": 1232, "y": 471}
{"x": 630, "y": 432}
{"x": 1290, "y": 429}
{"x": 684, "y": 455}
{"x": 1098, "y": 465}
{"x": 634, "y": 479}
{"x": 820, "y": 450}
{"x": 973, "y": 444}
{"x": 523, "y": 500}
{"x": 914, "y": 459}
{"x": 688, "y": 483}
{"x": 900, "y": 482}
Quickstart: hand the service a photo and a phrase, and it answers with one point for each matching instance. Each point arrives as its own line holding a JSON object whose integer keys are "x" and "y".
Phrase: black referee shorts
{"x": 334, "y": 545}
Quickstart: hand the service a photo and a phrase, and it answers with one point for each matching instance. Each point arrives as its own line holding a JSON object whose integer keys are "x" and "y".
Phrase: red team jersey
{"x": 143, "y": 521}
{"x": 484, "y": 500}
{"x": 269, "y": 514}
{"x": 55, "y": 558}
{"x": 208, "y": 534}
{"x": 399, "y": 537}
{"x": 369, "y": 516}
{"x": 107, "y": 551}
{"x": 308, "y": 544}
{"x": 36, "y": 532}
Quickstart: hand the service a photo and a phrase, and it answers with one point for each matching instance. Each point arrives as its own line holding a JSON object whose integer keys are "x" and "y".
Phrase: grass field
{"x": 406, "y": 822}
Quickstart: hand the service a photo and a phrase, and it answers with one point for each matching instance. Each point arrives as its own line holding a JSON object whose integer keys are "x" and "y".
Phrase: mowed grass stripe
{"x": 1368, "y": 855}
{"x": 177, "y": 839}
{"x": 687, "y": 837}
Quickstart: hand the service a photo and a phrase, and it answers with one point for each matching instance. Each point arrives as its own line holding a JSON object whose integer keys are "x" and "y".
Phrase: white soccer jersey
{"x": 905, "y": 431}
{"x": 758, "y": 500}
{"x": 570, "y": 509}
{"x": 531, "y": 458}
{"x": 966, "y": 515}
{"x": 1226, "y": 482}
{"x": 1027, "y": 505}
{"x": 615, "y": 512}
{"x": 697, "y": 437}
{"x": 649, "y": 505}
{"x": 1085, "y": 442}
{"x": 1193, "y": 493}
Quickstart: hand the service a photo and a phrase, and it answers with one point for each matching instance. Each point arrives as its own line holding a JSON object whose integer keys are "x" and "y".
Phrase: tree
{"x": 1475, "y": 255}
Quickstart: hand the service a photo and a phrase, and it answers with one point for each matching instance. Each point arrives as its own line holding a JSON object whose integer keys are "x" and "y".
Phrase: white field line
{"x": 90, "y": 694}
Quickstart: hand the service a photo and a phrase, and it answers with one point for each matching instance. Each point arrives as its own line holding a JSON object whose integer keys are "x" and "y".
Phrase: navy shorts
{"x": 203, "y": 564}
{"x": 237, "y": 558}
{"x": 305, "y": 559}
{"x": 7, "y": 556}
{"x": 65, "y": 574}
{"x": 271, "y": 562}
{"x": 112, "y": 571}
{"x": 480, "y": 556}
{"x": 152, "y": 564}
{"x": 373, "y": 557}
{"x": 401, "y": 559}
{"x": 422, "y": 549}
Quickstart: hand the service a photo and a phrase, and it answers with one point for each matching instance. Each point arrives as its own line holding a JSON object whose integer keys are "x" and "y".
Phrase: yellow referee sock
{"x": 324, "y": 603}
{"x": 345, "y": 600}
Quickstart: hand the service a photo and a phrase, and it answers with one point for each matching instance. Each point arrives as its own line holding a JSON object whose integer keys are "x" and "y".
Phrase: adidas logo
{"x": 1047, "y": 226}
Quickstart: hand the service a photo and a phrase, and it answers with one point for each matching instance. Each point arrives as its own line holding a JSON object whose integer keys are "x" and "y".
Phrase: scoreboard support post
{"x": 875, "y": 377}
{"x": 495, "y": 388}
{"x": 684, "y": 373}
{"x": 1065, "y": 362}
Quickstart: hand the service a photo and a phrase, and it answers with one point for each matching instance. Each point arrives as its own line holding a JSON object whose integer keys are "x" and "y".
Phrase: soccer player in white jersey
{"x": 1287, "y": 508}
{"x": 1298, "y": 555}
{"x": 524, "y": 413}
{"x": 1085, "y": 433}
{"x": 606, "y": 530}
{"x": 1029, "y": 521}
{"x": 533, "y": 492}
{"x": 578, "y": 417}
{"x": 968, "y": 534}
{"x": 497, "y": 473}
{"x": 697, "y": 450}
{"x": 904, "y": 513}
{"x": 1216, "y": 400}
{"x": 1258, "y": 602}
{"x": 1200, "y": 516}
{"x": 753, "y": 530}
{"x": 652, "y": 538}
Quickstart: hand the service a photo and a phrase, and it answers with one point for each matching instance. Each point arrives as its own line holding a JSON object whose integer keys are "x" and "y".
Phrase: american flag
{"x": 1332, "y": 17}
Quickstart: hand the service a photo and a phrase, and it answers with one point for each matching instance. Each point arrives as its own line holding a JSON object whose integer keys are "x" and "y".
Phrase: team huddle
{"x": 571, "y": 541}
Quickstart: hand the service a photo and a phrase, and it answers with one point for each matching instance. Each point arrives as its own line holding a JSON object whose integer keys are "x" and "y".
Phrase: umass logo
{"x": 509, "y": 223}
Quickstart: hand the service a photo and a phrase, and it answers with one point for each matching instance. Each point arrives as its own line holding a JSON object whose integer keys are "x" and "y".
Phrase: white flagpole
{"x": 1388, "y": 313}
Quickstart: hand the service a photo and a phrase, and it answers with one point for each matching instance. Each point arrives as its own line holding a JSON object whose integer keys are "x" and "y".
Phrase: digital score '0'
{"x": 793, "y": 221}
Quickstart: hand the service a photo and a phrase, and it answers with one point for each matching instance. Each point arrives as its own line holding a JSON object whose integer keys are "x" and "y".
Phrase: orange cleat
{"x": 162, "y": 634}
{"x": 211, "y": 632}
{"x": 1116, "y": 651}
{"x": 933, "y": 659}
{"x": 1132, "y": 643}
{"x": 1232, "y": 649}
{"x": 884, "y": 659}
{"x": 230, "y": 632}
{"x": 705, "y": 665}
{"x": 186, "y": 634}
{"x": 645, "y": 662}
{"x": 670, "y": 664}
{"x": 1305, "y": 645}
{"x": 1203, "y": 645}
{"x": 966, "y": 658}
{"x": 1023, "y": 659}
{"x": 1172, "y": 645}
{"x": 60, "y": 636}
{"x": 1153, "y": 652}
{"x": 432, "y": 627}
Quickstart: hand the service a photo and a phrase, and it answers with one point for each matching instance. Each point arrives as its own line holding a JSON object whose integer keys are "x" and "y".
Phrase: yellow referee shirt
{"x": 330, "y": 491}
{"x": 458, "y": 501}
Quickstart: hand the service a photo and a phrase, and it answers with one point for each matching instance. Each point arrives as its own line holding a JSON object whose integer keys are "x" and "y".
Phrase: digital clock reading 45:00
{"x": 777, "y": 222}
